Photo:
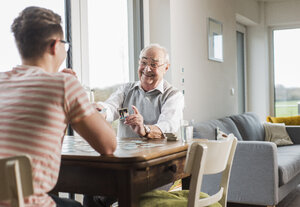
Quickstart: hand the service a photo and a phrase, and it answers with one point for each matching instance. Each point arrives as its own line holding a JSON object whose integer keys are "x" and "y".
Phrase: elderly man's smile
{"x": 149, "y": 75}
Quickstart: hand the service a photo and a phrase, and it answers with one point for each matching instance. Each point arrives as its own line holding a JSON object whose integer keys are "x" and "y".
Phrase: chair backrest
{"x": 15, "y": 179}
{"x": 209, "y": 157}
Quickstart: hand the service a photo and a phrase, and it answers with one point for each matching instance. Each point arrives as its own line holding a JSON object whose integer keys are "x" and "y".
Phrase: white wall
{"x": 247, "y": 12}
{"x": 282, "y": 13}
{"x": 157, "y": 24}
{"x": 181, "y": 25}
{"x": 252, "y": 15}
{"x": 207, "y": 83}
{"x": 258, "y": 76}
{"x": 259, "y": 50}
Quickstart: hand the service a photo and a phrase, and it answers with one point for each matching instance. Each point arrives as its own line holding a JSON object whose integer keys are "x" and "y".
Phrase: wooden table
{"x": 137, "y": 166}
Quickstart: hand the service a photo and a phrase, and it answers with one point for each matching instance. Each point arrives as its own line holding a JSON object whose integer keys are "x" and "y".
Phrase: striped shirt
{"x": 35, "y": 108}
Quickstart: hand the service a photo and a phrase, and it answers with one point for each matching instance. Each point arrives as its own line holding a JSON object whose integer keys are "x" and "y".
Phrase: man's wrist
{"x": 147, "y": 130}
{"x": 143, "y": 134}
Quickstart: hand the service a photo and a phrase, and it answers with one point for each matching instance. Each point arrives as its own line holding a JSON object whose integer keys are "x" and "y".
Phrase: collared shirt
{"x": 162, "y": 106}
{"x": 35, "y": 108}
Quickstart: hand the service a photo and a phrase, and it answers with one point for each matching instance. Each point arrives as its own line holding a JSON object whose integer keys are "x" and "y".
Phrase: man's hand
{"x": 136, "y": 122}
{"x": 100, "y": 108}
{"x": 69, "y": 71}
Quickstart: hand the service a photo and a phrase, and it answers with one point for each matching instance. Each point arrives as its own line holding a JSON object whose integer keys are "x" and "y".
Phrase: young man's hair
{"x": 33, "y": 29}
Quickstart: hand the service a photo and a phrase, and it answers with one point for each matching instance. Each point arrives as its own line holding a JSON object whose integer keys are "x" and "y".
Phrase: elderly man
{"x": 155, "y": 106}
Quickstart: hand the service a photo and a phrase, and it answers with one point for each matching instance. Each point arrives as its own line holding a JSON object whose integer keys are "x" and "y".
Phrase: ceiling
{"x": 270, "y": 0}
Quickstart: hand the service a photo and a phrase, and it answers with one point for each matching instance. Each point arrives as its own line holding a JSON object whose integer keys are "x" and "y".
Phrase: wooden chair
{"x": 15, "y": 179}
{"x": 204, "y": 157}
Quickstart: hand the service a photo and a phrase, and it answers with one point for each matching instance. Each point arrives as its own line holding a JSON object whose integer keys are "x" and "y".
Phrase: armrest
{"x": 294, "y": 133}
{"x": 254, "y": 174}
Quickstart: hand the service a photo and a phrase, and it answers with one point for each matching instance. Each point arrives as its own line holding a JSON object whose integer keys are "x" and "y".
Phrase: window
{"x": 106, "y": 35}
{"x": 102, "y": 31}
{"x": 7, "y": 14}
{"x": 107, "y": 46}
{"x": 108, "y": 42}
{"x": 286, "y": 44}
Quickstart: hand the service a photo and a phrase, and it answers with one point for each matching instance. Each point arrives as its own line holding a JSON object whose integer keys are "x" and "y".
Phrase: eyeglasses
{"x": 153, "y": 66}
{"x": 67, "y": 44}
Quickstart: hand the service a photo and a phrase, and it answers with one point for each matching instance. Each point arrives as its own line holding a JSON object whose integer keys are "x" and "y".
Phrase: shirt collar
{"x": 159, "y": 87}
{"x": 25, "y": 67}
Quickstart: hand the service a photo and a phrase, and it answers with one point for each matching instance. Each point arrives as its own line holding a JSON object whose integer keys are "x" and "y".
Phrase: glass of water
{"x": 186, "y": 131}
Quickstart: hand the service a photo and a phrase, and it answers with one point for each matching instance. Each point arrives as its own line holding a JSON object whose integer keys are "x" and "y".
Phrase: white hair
{"x": 155, "y": 45}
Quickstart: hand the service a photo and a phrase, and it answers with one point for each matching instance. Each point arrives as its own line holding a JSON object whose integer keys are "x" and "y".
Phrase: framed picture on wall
{"x": 215, "y": 40}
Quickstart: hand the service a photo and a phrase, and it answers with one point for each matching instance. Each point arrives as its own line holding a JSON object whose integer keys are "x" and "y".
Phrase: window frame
{"x": 77, "y": 34}
{"x": 242, "y": 29}
{"x": 271, "y": 64}
{"x": 68, "y": 36}
{"x": 68, "y": 33}
{"x": 79, "y": 31}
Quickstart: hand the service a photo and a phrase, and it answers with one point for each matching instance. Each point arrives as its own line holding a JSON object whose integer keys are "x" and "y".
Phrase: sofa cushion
{"x": 288, "y": 120}
{"x": 249, "y": 126}
{"x": 276, "y": 132}
{"x": 294, "y": 133}
{"x": 207, "y": 129}
{"x": 288, "y": 163}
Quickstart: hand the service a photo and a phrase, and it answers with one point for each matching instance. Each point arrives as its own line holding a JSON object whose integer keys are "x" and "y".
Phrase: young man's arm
{"x": 98, "y": 133}
{"x": 92, "y": 126}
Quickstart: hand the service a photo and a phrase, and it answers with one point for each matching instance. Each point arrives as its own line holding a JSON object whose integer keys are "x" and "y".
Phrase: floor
{"x": 292, "y": 200}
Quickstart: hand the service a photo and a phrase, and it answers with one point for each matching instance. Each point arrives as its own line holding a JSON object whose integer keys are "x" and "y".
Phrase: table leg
{"x": 127, "y": 197}
{"x": 186, "y": 183}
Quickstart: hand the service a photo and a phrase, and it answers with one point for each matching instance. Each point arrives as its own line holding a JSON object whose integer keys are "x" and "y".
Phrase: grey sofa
{"x": 262, "y": 173}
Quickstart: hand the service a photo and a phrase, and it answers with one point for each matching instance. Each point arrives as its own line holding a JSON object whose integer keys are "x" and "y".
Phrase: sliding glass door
{"x": 286, "y": 44}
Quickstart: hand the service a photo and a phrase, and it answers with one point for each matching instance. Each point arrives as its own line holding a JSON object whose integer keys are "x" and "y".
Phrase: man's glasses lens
{"x": 67, "y": 44}
{"x": 151, "y": 65}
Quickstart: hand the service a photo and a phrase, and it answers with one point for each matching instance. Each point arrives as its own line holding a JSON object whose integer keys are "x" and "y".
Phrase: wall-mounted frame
{"x": 215, "y": 40}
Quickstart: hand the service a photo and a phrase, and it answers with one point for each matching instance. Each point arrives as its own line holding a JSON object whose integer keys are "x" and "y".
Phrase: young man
{"x": 37, "y": 103}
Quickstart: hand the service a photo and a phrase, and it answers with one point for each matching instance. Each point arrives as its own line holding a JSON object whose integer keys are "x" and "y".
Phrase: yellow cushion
{"x": 288, "y": 120}
{"x": 161, "y": 198}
